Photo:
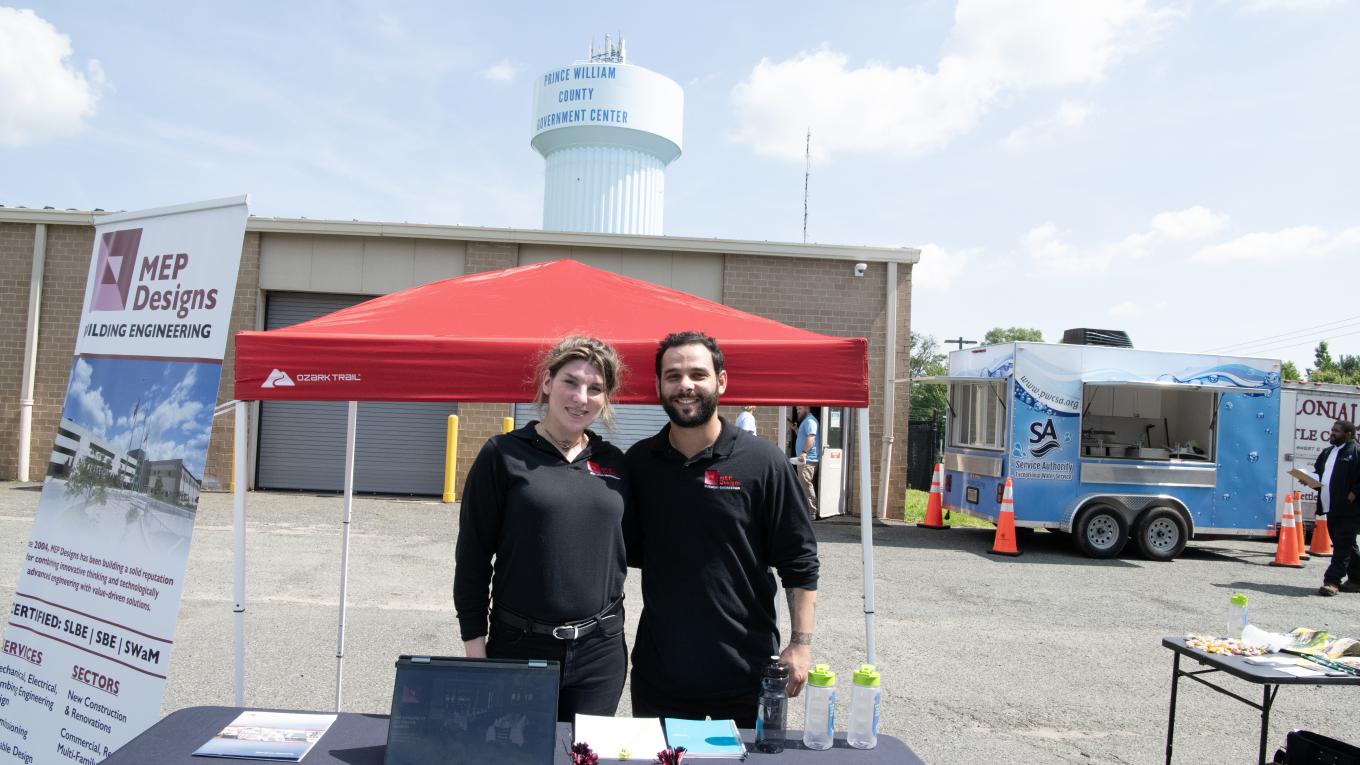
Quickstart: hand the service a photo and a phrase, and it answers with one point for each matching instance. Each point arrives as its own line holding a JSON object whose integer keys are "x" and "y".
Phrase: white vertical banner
{"x": 87, "y": 640}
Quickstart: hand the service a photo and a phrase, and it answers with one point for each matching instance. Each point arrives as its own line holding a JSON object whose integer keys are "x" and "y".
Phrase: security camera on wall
{"x": 860, "y": 268}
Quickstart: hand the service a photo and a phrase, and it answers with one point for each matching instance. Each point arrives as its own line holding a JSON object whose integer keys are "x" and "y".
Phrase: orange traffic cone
{"x": 1004, "y": 544}
{"x": 1322, "y": 539}
{"x": 1300, "y": 530}
{"x": 935, "y": 505}
{"x": 1286, "y": 549}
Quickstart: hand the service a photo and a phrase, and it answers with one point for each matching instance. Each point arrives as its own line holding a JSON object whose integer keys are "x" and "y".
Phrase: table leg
{"x": 1171, "y": 718}
{"x": 1267, "y": 698}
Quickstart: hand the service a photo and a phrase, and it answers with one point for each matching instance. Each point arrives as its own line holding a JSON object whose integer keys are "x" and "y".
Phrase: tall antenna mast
{"x": 807, "y": 171}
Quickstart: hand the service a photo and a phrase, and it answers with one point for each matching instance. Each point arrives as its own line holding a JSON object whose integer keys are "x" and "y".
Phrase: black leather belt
{"x": 572, "y": 631}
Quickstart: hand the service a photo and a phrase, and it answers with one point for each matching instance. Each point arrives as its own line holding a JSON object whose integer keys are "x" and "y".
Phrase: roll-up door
{"x": 632, "y": 422}
{"x": 400, "y": 446}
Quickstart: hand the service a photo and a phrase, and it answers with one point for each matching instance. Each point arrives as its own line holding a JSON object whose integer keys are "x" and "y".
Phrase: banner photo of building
{"x": 87, "y": 640}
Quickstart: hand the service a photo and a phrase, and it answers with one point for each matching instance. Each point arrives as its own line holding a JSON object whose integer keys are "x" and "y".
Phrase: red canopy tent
{"x": 476, "y": 338}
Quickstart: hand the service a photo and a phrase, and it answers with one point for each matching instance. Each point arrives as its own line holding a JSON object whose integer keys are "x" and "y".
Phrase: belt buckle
{"x": 575, "y": 631}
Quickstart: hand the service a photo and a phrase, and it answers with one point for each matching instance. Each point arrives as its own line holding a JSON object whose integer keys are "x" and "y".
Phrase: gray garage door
{"x": 632, "y": 422}
{"x": 400, "y": 447}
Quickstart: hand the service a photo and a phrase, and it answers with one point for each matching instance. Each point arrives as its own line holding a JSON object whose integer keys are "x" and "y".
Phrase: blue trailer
{"x": 1112, "y": 444}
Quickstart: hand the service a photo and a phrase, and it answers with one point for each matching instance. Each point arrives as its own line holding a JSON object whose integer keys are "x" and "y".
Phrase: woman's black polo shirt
{"x": 540, "y": 534}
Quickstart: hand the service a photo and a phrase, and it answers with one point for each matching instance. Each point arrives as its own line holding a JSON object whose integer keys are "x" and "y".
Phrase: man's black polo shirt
{"x": 705, "y": 532}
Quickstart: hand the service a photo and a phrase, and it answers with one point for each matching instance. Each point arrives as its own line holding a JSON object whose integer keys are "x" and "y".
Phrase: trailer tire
{"x": 1101, "y": 532}
{"x": 1161, "y": 533}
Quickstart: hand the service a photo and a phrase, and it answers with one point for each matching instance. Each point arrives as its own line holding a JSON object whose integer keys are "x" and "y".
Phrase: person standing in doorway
{"x": 1338, "y": 468}
{"x": 747, "y": 419}
{"x": 713, "y": 510}
{"x": 540, "y": 535}
{"x": 808, "y": 455}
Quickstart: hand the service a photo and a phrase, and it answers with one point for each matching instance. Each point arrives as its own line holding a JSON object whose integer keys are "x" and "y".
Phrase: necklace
{"x": 563, "y": 444}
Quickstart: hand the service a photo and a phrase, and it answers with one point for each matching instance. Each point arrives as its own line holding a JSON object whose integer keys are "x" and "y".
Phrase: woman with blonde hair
{"x": 546, "y": 502}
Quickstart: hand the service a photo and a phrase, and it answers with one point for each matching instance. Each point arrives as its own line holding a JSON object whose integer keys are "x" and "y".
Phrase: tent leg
{"x": 866, "y": 520}
{"x": 239, "y": 551}
{"x": 351, "y": 428}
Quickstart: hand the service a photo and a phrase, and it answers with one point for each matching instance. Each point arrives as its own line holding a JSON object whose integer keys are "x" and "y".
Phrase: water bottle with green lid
{"x": 820, "y": 716}
{"x": 864, "y": 698}
{"x": 1237, "y": 615}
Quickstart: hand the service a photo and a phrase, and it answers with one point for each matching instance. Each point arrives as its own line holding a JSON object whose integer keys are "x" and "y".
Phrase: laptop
{"x": 457, "y": 710}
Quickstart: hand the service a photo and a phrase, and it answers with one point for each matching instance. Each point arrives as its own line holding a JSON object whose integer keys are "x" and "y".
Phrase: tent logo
{"x": 278, "y": 379}
{"x": 113, "y": 269}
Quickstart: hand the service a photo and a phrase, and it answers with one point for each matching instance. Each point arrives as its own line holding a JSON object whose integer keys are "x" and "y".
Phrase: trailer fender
{"x": 1130, "y": 506}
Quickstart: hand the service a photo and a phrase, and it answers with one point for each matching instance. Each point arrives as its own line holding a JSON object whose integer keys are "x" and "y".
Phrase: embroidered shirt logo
{"x": 603, "y": 472}
{"x": 714, "y": 479}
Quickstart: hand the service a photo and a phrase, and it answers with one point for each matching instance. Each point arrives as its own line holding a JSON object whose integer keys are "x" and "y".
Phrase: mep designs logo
{"x": 278, "y": 379}
{"x": 113, "y": 269}
{"x": 716, "y": 480}
{"x": 603, "y": 472}
{"x": 1043, "y": 438}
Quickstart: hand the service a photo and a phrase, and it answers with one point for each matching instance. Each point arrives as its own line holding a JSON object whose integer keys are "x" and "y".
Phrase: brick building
{"x": 292, "y": 269}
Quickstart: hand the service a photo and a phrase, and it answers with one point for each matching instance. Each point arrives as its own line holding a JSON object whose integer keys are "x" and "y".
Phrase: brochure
{"x": 279, "y": 736}
{"x": 621, "y": 738}
{"x": 706, "y": 739}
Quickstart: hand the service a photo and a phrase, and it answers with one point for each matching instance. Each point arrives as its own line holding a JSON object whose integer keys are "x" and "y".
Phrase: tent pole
{"x": 889, "y": 390}
{"x": 238, "y": 502}
{"x": 866, "y": 532}
{"x": 351, "y": 427}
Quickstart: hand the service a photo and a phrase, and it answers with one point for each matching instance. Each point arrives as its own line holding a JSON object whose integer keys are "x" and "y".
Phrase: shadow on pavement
{"x": 1036, "y": 547}
{"x": 1289, "y": 590}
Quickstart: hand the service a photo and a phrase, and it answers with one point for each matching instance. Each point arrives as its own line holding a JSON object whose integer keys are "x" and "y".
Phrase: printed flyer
{"x": 88, "y": 637}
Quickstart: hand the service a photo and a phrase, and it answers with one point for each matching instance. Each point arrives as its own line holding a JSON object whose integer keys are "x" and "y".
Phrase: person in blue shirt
{"x": 806, "y": 444}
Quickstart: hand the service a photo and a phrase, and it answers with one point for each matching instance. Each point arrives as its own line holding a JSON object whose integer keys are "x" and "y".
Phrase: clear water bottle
{"x": 863, "y": 733}
{"x": 1237, "y": 615}
{"x": 773, "y": 711}
{"x": 820, "y": 716}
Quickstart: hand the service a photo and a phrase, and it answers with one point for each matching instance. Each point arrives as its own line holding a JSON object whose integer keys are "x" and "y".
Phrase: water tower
{"x": 606, "y": 130}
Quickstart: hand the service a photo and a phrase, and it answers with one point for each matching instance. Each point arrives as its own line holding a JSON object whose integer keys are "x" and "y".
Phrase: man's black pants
{"x": 1345, "y": 553}
{"x": 650, "y": 701}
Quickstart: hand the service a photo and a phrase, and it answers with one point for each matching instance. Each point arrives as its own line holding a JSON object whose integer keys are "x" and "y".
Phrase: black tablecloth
{"x": 359, "y": 739}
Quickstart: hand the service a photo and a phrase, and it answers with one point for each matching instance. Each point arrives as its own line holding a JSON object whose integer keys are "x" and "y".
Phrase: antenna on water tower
{"x": 807, "y": 171}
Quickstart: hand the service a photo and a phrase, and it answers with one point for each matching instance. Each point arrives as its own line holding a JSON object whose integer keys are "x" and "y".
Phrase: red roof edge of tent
{"x": 476, "y": 338}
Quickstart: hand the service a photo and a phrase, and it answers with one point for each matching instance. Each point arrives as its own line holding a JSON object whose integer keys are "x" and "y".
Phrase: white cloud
{"x": 994, "y": 51}
{"x": 1288, "y": 5}
{"x": 1297, "y": 243}
{"x": 41, "y": 94}
{"x": 1188, "y": 224}
{"x": 938, "y": 267}
{"x": 1130, "y": 309}
{"x": 92, "y": 410}
{"x": 1069, "y": 115}
{"x": 503, "y": 71}
{"x": 1048, "y": 247}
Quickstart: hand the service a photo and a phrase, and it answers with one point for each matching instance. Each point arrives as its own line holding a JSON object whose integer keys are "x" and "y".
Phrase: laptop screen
{"x": 456, "y": 710}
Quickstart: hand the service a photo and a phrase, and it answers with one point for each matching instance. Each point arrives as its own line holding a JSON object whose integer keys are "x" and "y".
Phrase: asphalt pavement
{"x": 1050, "y": 657}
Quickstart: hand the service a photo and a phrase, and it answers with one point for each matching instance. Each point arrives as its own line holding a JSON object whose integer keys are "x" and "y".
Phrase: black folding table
{"x": 1269, "y": 678}
{"x": 361, "y": 739}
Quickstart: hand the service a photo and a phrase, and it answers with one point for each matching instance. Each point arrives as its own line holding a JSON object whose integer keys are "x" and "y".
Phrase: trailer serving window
{"x": 978, "y": 414}
{"x": 1149, "y": 421}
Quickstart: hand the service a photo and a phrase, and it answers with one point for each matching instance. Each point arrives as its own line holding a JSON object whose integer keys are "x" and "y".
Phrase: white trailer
{"x": 1307, "y": 411}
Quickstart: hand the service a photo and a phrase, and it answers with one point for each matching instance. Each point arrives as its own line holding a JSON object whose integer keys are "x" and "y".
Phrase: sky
{"x": 1185, "y": 170}
{"x": 162, "y": 407}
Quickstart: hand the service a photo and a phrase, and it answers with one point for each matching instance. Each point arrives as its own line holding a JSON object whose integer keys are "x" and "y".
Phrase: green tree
{"x": 1344, "y": 370}
{"x": 1011, "y": 335}
{"x": 1288, "y": 371}
{"x": 1322, "y": 357}
{"x": 928, "y": 401}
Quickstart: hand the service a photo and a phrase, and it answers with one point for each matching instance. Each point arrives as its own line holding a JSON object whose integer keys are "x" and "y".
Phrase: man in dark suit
{"x": 1338, "y": 468}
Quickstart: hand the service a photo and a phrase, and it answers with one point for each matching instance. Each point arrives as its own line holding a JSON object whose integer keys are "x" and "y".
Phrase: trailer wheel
{"x": 1161, "y": 533}
{"x": 1102, "y": 532}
